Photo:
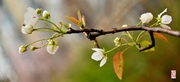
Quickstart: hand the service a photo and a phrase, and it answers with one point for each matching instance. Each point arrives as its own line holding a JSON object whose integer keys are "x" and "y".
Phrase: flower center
{"x": 34, "y": 16}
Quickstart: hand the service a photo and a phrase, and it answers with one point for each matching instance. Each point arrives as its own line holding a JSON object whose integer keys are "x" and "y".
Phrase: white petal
{"x": 165, "y": 26}
{"x": 45, "y": 12}
{"x": 27, "y": 29}
{"x": 166, "y": 19}
{"x": 29, "y": 9}
{"x": 103, "y": 61}
{"x": 146, "y": 17}
{"x": 52, "y": 48}
{"x": 30, "y": 17}
{"x": 96, "y": 49}
{"x": 97, "y": 55}
{"x": 143, "y": 18}
{"x": 165, "y": 10}
{"x": 149, "y": 16}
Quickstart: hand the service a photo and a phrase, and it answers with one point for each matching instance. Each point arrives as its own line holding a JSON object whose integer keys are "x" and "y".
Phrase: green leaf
{"x": 80, "y": 23}
{"x": 66, "y": 26}
{"x": 146, "y": 43}
{"x": 118, "y": 64}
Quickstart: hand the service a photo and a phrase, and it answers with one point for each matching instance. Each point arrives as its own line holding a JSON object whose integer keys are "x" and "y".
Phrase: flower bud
{"x": 125, "y": 25}
{"x": 27, "y": 29}
{"x": 46, "y": 14}
{"x": 52, "y": 47}
{"x": 33, "y": 48}
{"x": 146, "y": 17}
{"x": 68, "y": 26}
{"x": 22, "y": 49}
{"x": 117, "y": 41}
{"x": 38, "y": 10}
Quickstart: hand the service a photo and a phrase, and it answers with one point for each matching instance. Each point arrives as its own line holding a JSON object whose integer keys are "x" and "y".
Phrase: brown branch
{"x": 132, "y": 28}
{"x": 94, "y": 33}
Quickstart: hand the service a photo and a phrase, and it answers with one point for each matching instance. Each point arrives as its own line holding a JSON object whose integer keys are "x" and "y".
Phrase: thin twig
{"x": 132, "y": 28}
{"x": 94, "y": 33}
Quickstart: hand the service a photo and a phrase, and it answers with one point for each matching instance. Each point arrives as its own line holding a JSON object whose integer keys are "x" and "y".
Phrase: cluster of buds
{"x": 31, "y": 18}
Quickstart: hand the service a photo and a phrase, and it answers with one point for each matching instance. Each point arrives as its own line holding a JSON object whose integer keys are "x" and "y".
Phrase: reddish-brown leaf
{"x": 72, "y": 19}
{"x": 160, "y": 36}
{"x": 118, "y": 64}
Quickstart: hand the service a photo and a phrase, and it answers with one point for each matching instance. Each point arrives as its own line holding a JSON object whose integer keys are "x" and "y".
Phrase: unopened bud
{"x": 33, "y": 48}
{"x": 22, "y": 49}
{"x": 38, "y": 10}
{"x": 52, "y": 47}
{"x": 117, "y": 41}
{"x": 46, "y": 14}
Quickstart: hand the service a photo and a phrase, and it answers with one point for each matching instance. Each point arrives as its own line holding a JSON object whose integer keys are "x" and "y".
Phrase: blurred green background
{"x": 72, "y": 62}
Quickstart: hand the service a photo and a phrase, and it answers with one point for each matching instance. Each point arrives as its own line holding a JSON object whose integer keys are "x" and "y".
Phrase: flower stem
{"x": 46, "y": 30}
{"x": 111, "y": 49}
{"x": 54, "y": 36}
{"x": 138, "y": 37}
{"x": 37, "y": 41}
{"x": 53, "y": 24}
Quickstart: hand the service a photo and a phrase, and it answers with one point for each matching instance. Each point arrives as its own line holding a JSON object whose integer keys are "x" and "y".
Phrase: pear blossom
{"x": 27, "y": 29}
{"x": 165, "y": 19}
{"x": 146, "y": 17}
{"x": 103, "y": 61}
{"x": 99, "y": 55}
{"x": 30, "y": 17}
{"x": 52, "y": 47}
{"x": 30, "y": 20}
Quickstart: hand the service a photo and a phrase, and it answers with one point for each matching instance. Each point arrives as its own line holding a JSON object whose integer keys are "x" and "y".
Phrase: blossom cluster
{"x": 162, "y": 20}
{"x": 145, "y": 18}
{"x": 31, "y": 18}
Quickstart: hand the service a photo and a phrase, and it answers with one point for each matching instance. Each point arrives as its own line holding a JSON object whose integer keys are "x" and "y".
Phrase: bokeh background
{"x": 72, "y": 62}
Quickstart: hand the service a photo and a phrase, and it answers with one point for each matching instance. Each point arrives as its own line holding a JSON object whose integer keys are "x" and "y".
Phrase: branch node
{"x": 114, "y": 30}
{"x": 152, "y": 42}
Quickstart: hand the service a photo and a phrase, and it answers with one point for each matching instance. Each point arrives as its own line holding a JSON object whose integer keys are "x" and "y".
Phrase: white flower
{"x": 146, "y": 17}
{"x": 30, "y": 17}
{"x": 22, "y": 49}
{"x": 27, "y": 29}
{"x": 165, "y": 19}
{"x": 99, "y": 55}
{"x": 30, "y": 20}
{"x": 52, "y": 47}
